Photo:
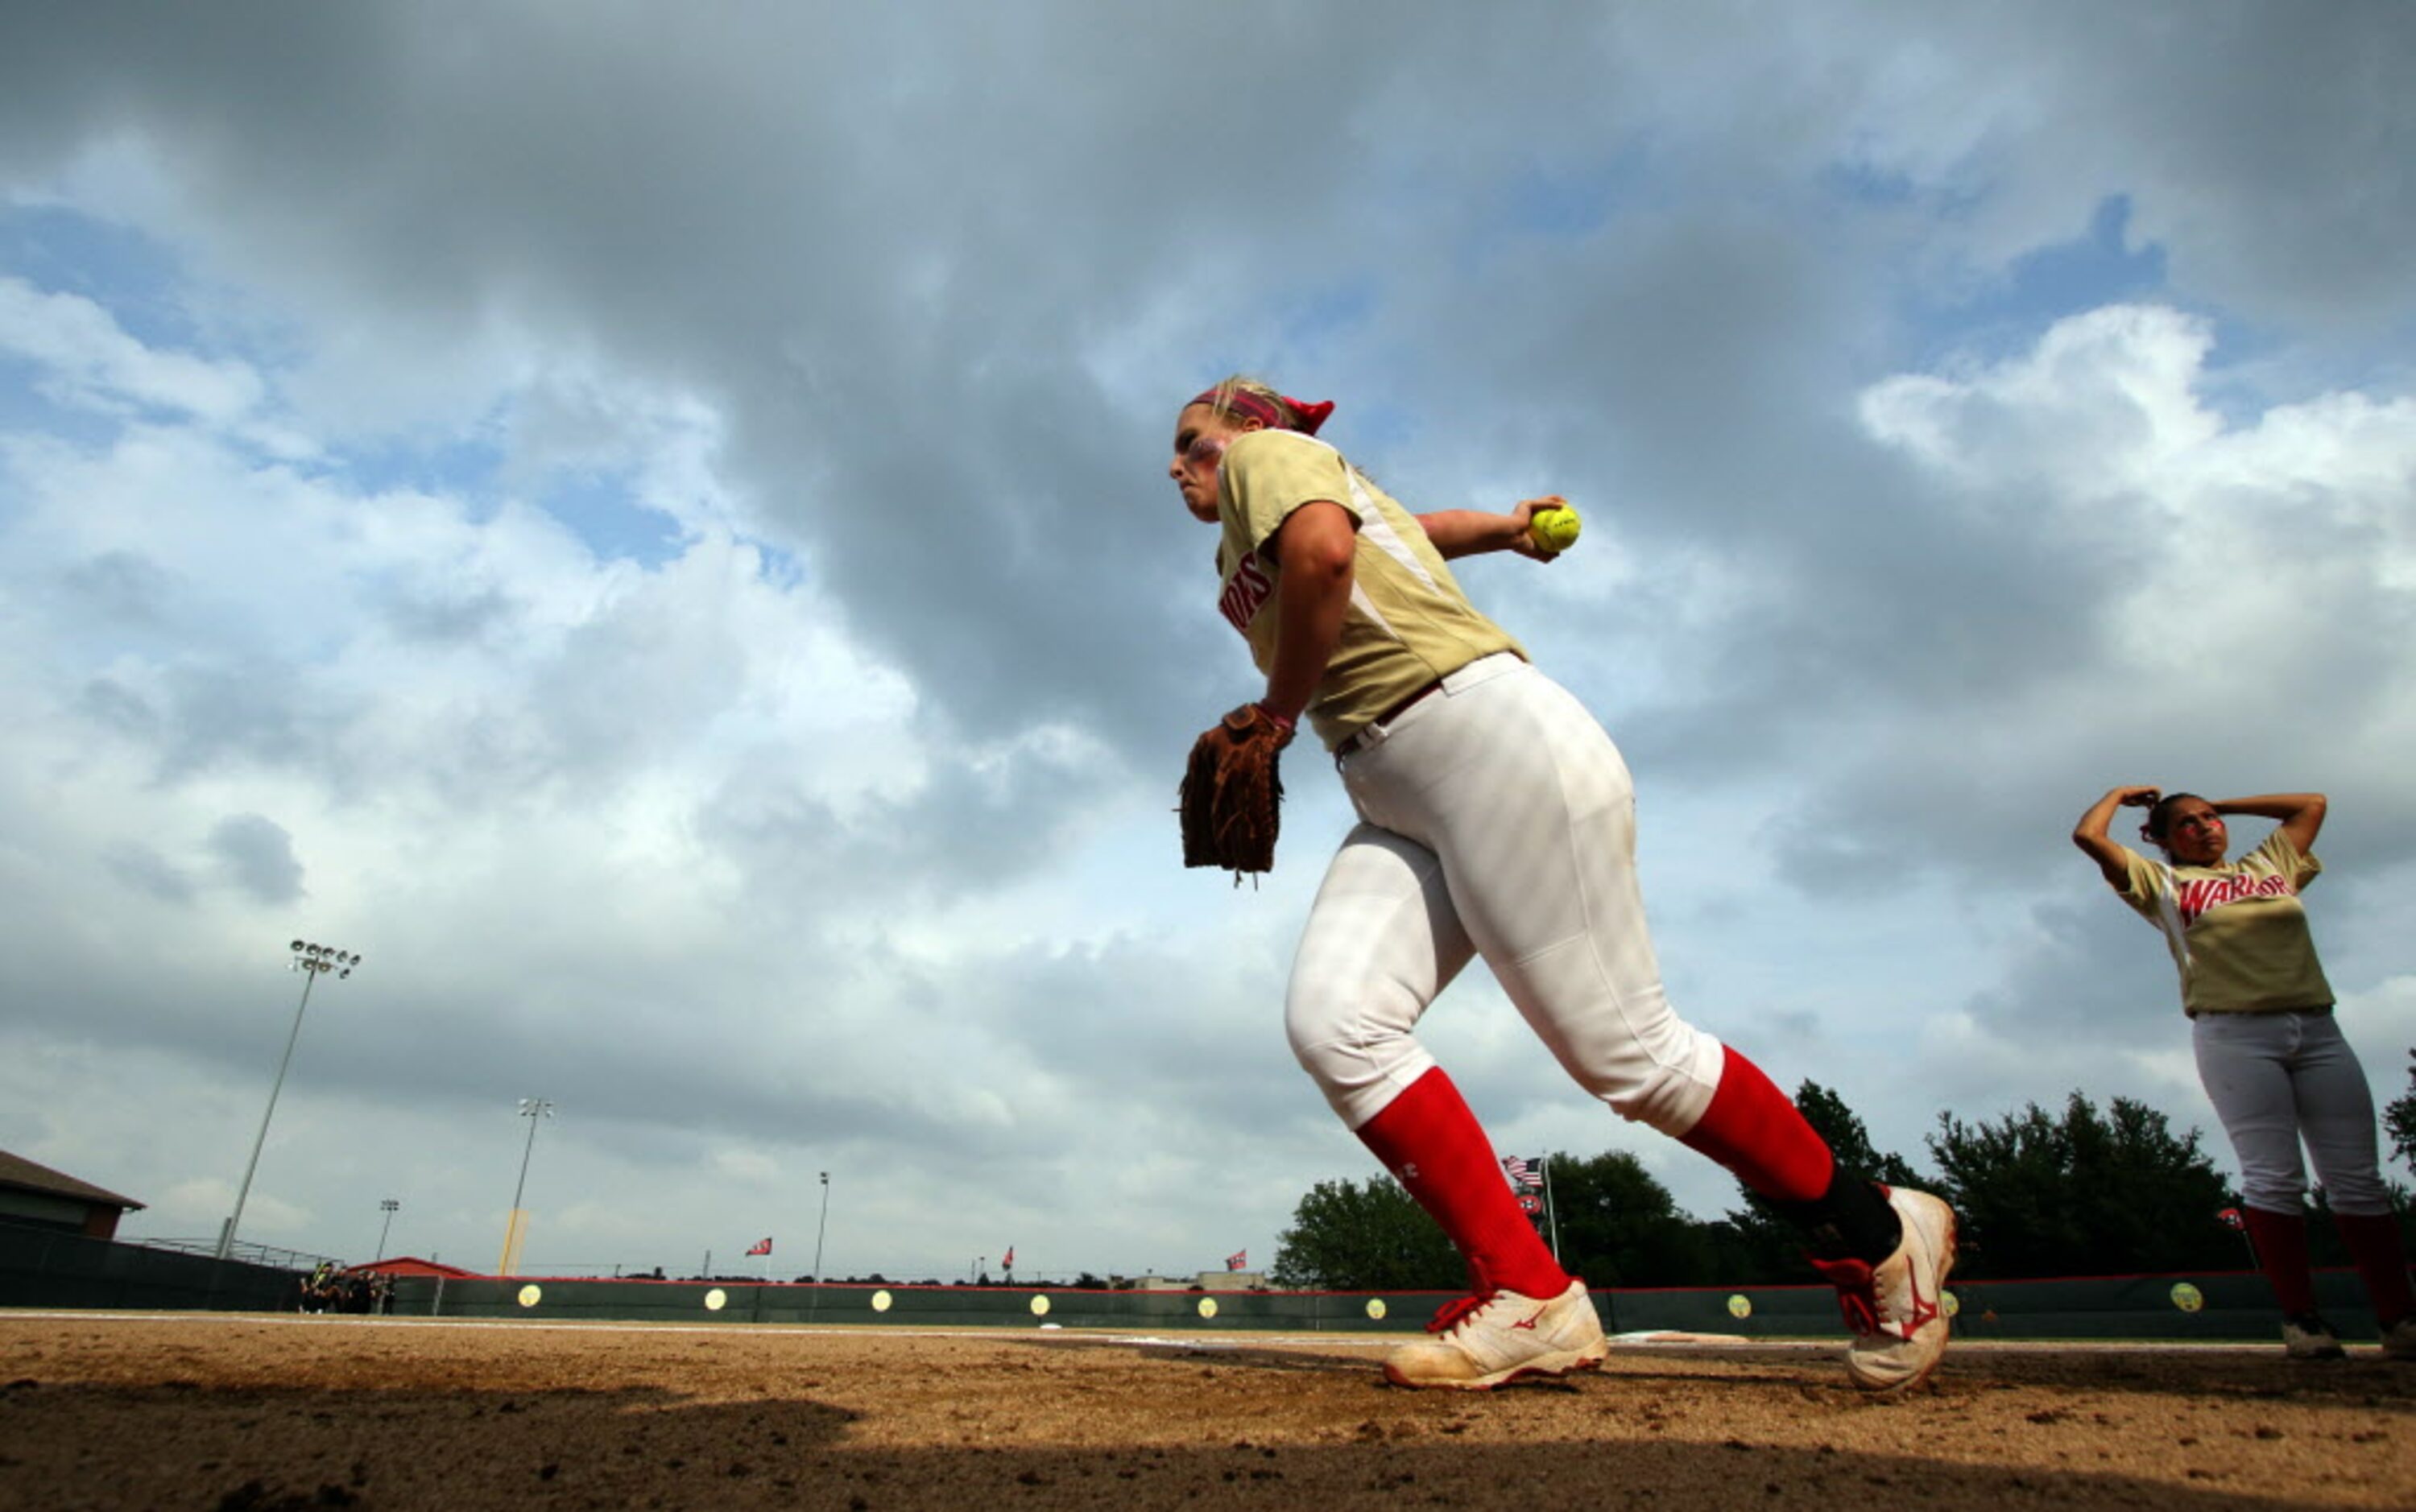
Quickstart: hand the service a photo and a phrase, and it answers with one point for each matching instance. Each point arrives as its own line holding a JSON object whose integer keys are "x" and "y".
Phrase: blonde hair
{"x": 1220, "y": 398}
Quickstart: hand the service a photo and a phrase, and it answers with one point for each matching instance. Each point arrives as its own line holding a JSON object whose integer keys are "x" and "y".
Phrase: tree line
{"x": 2083, "y": 1191}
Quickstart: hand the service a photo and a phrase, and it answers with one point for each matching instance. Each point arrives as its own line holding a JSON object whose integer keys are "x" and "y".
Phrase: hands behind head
{"x": 2139, "y": 798}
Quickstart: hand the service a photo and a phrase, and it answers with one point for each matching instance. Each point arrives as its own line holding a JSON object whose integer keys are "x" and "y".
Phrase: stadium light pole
{"x": 815, "y": 1302}
{"x": 387, "y": 1207}
{"x": 311, "y": 961}
{"x": 532, "y": 1109}
{"x": 821, "y": 1229}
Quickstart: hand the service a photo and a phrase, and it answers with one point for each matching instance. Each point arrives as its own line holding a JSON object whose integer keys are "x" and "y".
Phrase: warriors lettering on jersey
{"x": 1245, "y": 592}
{"x": 2196, "y": 896}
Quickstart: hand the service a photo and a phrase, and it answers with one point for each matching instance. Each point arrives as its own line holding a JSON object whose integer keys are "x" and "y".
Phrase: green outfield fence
{"x": 2211, "y": 1308}
{"x": 52, "y": 1268}
{"x": 47, "y": 1268}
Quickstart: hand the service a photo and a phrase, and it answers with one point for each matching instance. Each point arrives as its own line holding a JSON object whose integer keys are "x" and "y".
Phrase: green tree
{"x": 1347, "y": 1236}
{"x": 1759, "y": 1244}
{"x": 1619, "y": 1227}
{"x": 2399, "y": 1118}
{"x": 2087, "y": 1193}
{"x": 1760, "y": 1258}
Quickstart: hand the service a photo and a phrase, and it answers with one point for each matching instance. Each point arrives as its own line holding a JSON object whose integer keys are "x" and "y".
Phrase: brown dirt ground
{"x": 236, "y": 1413}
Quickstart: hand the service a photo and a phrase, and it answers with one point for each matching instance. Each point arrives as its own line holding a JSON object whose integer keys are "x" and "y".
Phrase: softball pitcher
{"x": 1496, "y": 819}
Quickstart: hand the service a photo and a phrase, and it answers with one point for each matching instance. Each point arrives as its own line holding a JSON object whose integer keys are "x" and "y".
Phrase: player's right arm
{"x": 2089, "y": 835}
{"x": 1468, "y": 533}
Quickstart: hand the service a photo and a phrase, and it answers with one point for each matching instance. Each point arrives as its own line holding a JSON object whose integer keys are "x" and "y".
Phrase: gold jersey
{"x": 1407, "y": 624}
{"x": 2238, "y": 932}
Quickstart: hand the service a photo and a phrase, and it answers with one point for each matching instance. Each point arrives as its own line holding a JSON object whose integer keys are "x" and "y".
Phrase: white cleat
{"x": 1486, "y": 1341}
{"x": 1896, "y": 1309}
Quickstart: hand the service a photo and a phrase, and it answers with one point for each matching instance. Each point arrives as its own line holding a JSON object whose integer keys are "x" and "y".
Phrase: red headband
{"x": 1245, "y": 402}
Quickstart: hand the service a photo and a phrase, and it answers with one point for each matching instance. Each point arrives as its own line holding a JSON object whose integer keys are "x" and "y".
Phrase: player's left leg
{"x": 2335, "y": 1107}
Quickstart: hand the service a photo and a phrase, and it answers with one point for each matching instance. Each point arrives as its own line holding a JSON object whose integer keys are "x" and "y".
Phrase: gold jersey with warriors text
{"x": 2238, "y": 931}
{"x": 1408, "y": 622}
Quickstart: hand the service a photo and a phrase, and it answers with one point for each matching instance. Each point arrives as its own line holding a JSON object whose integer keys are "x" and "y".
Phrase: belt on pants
{"x": 1365, "y": 735}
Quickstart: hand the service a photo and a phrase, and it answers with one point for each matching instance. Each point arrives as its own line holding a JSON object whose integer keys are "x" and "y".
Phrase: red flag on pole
{"x": 1008, "y": 1263}
{"x": 763, "y": 1249}
{"x": 1237, "y": 1259}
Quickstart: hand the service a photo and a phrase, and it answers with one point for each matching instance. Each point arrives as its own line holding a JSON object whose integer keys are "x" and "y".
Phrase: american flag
{"x": 763, "y": 1249}
{"x": 1522, "y": 1176}
{"x": 1237, "y": 1259}
{"x": 1009, "y": 1262}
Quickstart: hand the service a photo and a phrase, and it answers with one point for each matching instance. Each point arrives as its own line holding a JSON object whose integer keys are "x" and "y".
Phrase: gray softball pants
{"x": 2278, "y": 1078}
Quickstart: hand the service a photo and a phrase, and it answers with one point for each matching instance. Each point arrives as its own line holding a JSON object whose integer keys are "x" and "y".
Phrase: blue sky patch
{"x": 602, "y": 510}
{"x": 128, "y": 274}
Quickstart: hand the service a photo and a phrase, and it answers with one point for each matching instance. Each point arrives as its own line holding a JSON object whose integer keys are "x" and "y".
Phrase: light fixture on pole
{"x": 387, "y": 1207}
{"x": 311, "y": 961}
{"x": 532, "y": 1109}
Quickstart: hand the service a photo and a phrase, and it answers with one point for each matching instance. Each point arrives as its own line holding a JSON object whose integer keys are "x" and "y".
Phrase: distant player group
{"x": 1496, "y": 819}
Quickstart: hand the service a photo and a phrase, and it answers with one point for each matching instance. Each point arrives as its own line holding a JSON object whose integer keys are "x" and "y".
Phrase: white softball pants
{"x": 1497, "y": 818}
{"x": 2276, "y": 1079}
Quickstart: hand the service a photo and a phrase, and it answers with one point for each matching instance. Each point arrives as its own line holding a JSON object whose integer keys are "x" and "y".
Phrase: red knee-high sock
{"x": 1428, "y": 1138}
{"x": 2281, "y": 1243}
{"x": 2381, "y": 1257}
{"x": 1756, "y": 1131}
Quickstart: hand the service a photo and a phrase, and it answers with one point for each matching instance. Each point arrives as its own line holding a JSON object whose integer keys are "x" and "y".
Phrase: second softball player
{"x": 2269, "y": 1053}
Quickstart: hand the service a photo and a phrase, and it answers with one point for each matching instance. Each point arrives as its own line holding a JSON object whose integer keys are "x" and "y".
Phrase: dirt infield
{"x": 102, "y": 1410}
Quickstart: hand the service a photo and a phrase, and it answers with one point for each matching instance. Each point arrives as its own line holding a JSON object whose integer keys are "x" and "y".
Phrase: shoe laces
{"x": 1857, "y": 1293}
{"x": 1451, "y": 1314}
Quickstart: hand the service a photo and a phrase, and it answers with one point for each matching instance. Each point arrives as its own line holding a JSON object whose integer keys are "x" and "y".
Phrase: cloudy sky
{"x": 649, "y": 524}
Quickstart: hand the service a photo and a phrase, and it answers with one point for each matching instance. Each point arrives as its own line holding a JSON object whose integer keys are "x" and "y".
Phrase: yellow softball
{"x": 1554, "y": 530}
